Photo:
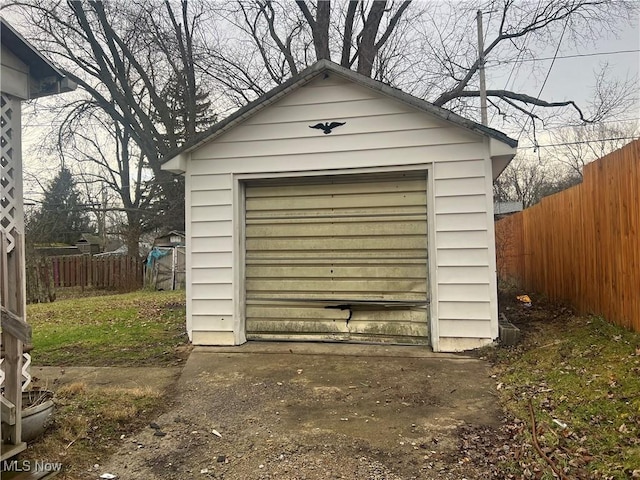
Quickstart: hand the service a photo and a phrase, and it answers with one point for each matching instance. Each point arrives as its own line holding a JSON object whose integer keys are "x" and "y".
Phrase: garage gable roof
{"x": 327, "y": 66}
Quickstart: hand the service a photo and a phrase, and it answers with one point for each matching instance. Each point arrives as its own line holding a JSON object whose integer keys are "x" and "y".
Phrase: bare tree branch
{"x": 348, "y": 33}
{"x": 528, "y": 99}
{"x": 285, "y": 48}
{"x": 392, "y": 24}
{"x": 551, "y": 13}
{"x": 367, "y": 48}
{"x": 319, "y": 26}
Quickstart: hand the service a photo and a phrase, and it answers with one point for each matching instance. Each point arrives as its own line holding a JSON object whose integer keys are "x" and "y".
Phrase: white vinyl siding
{"x": 380, "y": 134}
{"x": 211, "y": 213}
{"x": 455, "y": 222}
{"x": 373, "y": 123}
{"x": 14, "y": 75}
{"x": 456, "y": 257}
{"x": 462, "y": 250}
{"x": 312, "y": 161}
{"x": 310, "y": 142}
{"x": 460, "y": 328}
{"x": 471, "y": 292}
{"x": 210, "y": 254}
{"x": 461, "y": 203}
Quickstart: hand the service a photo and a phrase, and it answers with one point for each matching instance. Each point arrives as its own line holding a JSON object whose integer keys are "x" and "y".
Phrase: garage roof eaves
{"x": 40, "y": 68}
{"x": 323, "y": 66}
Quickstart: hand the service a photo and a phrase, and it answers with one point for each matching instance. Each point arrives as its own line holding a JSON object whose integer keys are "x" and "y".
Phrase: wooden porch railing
{"x": 15, "y": 333}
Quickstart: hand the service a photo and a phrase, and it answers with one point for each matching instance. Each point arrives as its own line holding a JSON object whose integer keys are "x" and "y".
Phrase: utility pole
{"x": 483, "y": 85}
{"x": 103, "y": 217}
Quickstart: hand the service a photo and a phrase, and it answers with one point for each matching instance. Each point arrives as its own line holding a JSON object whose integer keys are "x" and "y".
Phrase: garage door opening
{"x": 341, "y": 258}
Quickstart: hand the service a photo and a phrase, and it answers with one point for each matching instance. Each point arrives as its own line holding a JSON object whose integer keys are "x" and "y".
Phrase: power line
{"x": 598, "y": 123}
{"x": 618, "y": 120}
{"x": 545, "y": 80}
{"x": 577, "y": 55}
{"x": 578, "y": 142}
{"x": 520, "y": 51}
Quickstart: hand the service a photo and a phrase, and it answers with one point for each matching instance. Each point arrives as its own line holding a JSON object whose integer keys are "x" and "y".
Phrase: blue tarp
{"x": 156, "y": 253}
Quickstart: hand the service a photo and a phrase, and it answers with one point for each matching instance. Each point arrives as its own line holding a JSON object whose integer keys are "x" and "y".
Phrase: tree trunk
{"x": 321, "y": 30}
{"x": 319, "y": 26}
{"x": 345, "y": 60}
{"x": 132, "y": 235}
{"x": 367, "y": 50}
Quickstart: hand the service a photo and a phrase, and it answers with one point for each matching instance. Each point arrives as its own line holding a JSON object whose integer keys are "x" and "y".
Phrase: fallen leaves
{"x": 582, "y": 377}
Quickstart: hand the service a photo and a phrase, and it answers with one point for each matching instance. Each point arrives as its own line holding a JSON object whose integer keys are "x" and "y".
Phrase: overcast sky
{"x": 574, "y": 78}
{"x": 568, "y": 78}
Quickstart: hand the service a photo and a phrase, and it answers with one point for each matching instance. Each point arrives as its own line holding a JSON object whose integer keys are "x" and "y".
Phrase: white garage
{"x": 336, "y": 208}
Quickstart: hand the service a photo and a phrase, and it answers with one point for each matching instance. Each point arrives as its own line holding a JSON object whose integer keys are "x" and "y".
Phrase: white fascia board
{"x": 501, "y": 154}
{"x": 177, "y": 164}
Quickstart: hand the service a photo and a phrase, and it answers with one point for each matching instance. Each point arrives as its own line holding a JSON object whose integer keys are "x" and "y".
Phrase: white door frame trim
{"x": 239, "y": 215}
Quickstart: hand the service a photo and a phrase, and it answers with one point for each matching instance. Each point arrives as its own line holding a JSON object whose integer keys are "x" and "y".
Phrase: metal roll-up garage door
{"x": 337, "y": 258}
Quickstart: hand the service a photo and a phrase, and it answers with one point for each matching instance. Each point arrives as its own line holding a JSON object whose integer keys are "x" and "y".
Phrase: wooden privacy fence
{"x": 582, "y": 245}
{"x": 117, "y": 273}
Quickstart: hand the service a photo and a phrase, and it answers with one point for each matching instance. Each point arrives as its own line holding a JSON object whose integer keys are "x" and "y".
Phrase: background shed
{"x": 89, "y": 244}
{"x": 336, "y": 208}
{"x": 166, "y": 262}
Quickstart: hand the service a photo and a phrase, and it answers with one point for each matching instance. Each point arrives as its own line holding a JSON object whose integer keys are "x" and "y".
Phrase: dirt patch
{"x": 292, "y": 416}
{"x": 534, "y": 318}
{"x": 156, "y": 378}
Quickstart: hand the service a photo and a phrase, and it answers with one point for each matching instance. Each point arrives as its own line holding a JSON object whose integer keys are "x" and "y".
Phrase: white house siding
{"x": 466, "y": 308}
{"x": 380, "y": 133}
{"x": 209, "y": 228}
{"x": 14, "y": 75}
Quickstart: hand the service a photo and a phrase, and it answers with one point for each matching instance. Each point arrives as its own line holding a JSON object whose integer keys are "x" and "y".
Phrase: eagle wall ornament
{"x": 326, "y": 127}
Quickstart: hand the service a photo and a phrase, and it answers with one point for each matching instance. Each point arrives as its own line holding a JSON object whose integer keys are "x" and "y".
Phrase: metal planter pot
{"x": 37, "y": 411}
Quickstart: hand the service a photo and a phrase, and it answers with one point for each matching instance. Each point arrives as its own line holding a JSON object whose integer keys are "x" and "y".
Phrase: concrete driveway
{"x": 319, "y": 411}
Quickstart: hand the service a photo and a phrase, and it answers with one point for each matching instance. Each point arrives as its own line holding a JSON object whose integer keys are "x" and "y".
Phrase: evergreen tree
{"x": 62, "y": 217}
{"x": 187, "y": 111}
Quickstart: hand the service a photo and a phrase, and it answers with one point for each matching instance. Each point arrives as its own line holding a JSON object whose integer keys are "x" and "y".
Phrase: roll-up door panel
{"x": 341, "y": 258}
